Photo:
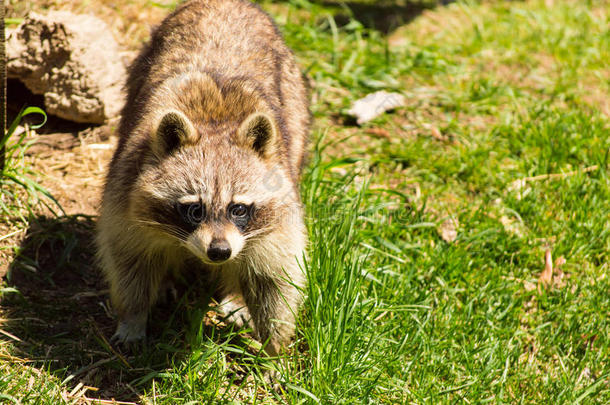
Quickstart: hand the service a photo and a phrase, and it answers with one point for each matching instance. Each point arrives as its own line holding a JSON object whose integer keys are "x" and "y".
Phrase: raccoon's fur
{"x": 212, "y": 142}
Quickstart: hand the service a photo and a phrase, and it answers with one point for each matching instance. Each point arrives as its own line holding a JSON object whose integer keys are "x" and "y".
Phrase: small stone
{"x": 374, "y": 105}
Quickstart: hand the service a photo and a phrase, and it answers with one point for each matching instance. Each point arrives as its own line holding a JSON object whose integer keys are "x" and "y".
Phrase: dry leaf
{"x": 558, "y": 277}
{"x": 379, "y": 132}
{"x": 436, "y": 133}
{"x": 546, "y": 277}
{"x": 448, "y": 230}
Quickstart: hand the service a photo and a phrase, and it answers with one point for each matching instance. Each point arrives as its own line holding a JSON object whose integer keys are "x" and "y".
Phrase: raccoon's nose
{"x": 219, "y": 250}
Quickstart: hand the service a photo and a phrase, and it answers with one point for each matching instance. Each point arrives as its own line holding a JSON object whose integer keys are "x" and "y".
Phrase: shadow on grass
{"x": 385, "y": 15}
{"x": 61, "y": 319}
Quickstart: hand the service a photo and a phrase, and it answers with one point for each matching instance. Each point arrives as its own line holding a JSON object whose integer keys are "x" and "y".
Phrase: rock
{"x": 374, "y": 105}
{"x": 73, "y": 61}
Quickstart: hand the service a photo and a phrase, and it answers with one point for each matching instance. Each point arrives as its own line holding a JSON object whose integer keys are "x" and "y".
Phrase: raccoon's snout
{"x": 219, "y": 250}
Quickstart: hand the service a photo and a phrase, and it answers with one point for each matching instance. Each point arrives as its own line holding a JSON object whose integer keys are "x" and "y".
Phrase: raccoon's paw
{"x": 234, "y": 311}
{"x": 130, "y": 330}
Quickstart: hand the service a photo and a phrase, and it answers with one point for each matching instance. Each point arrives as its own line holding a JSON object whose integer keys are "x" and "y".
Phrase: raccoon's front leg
{"x": 232, "y": 306}
{"x": 131, "y": 328}
{"x": 133, "y": 290}
{"x": 272, "y": 302}
{"x": 234, "y": 310}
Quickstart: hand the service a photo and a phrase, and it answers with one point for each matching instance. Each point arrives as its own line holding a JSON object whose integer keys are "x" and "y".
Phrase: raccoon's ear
{"x": 258, "y": 133}
{"x": 174, "y": 130}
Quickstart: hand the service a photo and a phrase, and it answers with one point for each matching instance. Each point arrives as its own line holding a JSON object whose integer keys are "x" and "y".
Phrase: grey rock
{"x": 73, "y": 61}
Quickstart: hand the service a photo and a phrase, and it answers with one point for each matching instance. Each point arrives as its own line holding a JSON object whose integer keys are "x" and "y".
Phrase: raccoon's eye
{"x": 239, "y": 214}
{"x": 238, "y": 211}
{"x": 191, "y": 213}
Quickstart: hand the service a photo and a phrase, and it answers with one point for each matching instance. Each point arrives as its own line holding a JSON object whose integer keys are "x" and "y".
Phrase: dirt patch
{"x": 73, "y": 166}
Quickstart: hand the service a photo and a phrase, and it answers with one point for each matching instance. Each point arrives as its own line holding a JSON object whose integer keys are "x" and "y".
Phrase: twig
{"x": 5, "y": 333}
{"x": 89, "y": 367}
{"x": 88, "y": 294}
{"x": 14, "y": 359}
{"x": 76, "y": 389}
{"x": 520, "y": 183}
{"x": 11, "y": 234}
{"x": 119, "y": 355}
{"x": 546, "y": 277}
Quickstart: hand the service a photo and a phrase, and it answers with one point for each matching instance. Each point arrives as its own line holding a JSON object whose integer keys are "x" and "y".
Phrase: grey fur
{"x": 218, "y": 73}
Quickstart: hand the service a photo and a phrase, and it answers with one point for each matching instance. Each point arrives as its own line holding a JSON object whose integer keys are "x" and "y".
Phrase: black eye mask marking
{"x": 191, "y": 214}
{"x": 240, "y": 215}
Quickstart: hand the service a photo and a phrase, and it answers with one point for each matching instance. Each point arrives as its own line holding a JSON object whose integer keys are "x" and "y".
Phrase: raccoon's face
{"x": 212, "y": 194}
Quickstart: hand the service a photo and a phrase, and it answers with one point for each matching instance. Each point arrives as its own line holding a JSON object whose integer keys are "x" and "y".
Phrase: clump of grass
{"x": 17, "y": 171}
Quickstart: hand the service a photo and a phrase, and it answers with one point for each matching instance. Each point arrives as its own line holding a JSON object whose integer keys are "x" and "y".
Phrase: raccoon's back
{"x": 216, "y": 36}
{"x": 223, "y": 35}
{"x": 226, "y": 39}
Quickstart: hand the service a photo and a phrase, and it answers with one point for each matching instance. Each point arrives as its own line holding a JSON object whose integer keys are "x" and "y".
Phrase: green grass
{"x": 15, "y": 177}
{"x": 394, "y": 312}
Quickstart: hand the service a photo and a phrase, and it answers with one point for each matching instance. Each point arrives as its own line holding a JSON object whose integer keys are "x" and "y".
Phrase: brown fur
{"x": 216, "y": 113}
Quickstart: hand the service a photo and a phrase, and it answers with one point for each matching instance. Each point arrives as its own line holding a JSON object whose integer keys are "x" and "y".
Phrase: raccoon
{"x": 212, "y": 141}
